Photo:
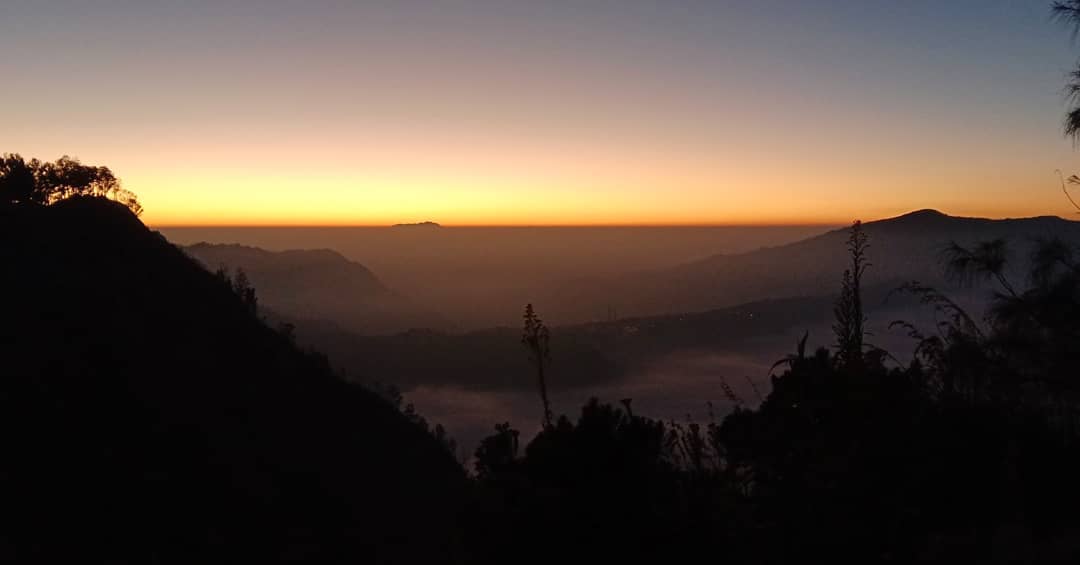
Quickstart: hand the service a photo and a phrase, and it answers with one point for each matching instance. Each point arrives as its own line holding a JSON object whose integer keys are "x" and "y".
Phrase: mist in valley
{"x": 770, "y": 282}
{"x": 435, "y": 312}
{"x": 473, "y": 280}
{"x": 479, "y": 277}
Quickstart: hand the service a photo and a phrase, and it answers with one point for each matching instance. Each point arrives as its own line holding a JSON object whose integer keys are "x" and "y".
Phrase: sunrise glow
{"x": 364, "y": 115}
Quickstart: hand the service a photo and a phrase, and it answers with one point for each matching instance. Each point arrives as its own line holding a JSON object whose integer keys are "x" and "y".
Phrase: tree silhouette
{"x": 17, "y": 179}
{"x": 497, "y": 454}
{"x": 986, "y": 260}
{"x": 1068, "y": 12}
{"x": 38, "y": 182}
{"x": 535, "y": 337}
{"x": 243, "y": 288}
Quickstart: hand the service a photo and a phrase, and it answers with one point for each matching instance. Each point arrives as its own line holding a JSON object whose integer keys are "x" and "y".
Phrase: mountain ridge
{"x": 139, "y": 391}
{"x": 320, "y": 284}
{"x": 902, "y": 248}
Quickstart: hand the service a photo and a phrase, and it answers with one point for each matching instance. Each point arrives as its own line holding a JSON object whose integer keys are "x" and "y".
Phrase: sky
{"x": 557, "y": 112}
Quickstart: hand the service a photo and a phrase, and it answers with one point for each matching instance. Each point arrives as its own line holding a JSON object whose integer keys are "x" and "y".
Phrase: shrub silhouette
{"x": 965, "y": 454}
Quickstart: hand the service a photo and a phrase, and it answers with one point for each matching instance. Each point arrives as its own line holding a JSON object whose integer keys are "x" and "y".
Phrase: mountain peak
{"x": 926, "y": 216}
{"x": 427, "y": 224}
{"x": 925, "y": 213}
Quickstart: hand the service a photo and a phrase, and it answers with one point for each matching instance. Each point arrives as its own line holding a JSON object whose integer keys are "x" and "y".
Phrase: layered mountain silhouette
{"x": 904, "y": 248}
{"x": 427, "y": 224}
{"x": 320, "y": 284}
{"x": 760, "y": 301}
{"x": 147, "y": 416}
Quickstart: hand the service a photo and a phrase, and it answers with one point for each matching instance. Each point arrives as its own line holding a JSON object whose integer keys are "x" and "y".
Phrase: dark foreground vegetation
{"x": 149, "y": 415}
{"x": 48, "y": 182}
{"x": 966, "y": 453}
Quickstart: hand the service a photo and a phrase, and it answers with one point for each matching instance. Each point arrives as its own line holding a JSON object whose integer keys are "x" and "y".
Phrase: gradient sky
{"x": 557, "y": 112}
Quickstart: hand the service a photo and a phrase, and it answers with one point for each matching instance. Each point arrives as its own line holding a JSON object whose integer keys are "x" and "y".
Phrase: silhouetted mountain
{"x": 319, "y": 284}
{"x": 147, "y": 416}
{"x": 479, "y": 277}
{"x": 418, "y": 225}
{"x": 904, "y": 248}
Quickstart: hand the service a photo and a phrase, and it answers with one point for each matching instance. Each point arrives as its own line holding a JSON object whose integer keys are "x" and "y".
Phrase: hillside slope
{"x": 905, "y": 248}
{"x": 320, "y": 284}
{"x": 146, "y": 416}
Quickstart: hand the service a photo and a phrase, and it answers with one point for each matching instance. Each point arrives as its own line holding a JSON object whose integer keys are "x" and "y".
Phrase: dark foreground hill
{"x": 146, "y": 416}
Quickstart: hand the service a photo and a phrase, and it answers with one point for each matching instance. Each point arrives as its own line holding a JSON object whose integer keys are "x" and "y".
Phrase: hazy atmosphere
{"x": 492, "y": 113}
{"x": 476, "y": 282}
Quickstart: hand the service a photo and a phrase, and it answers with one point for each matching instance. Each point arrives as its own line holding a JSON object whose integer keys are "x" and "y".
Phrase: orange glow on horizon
{"x": 373, "y": 114}
{"x": 484, "y": 184}
{"x": 824, "y": 222}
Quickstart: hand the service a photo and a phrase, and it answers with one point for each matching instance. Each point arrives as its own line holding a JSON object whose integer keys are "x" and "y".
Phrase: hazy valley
{"x": 676, "y": 320}
{"x": 525, "y": 282}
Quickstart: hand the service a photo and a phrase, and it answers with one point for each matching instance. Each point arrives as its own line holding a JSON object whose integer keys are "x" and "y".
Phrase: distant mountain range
{"x": 418, "y": 225}
{"x": 902, "y": 249}
{"x": 320, "y": 284}
{"x": 760, "y": 300}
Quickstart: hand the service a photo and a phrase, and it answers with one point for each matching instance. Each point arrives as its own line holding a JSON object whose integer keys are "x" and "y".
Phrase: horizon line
{"x": 406, "y": 225}
{"x": 733, "y": 224}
